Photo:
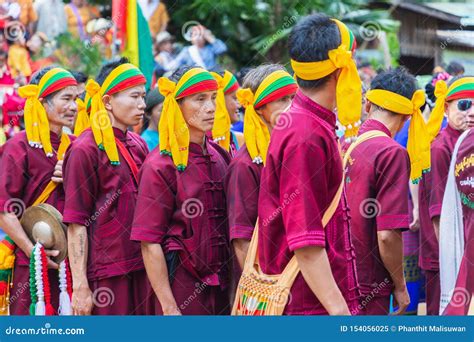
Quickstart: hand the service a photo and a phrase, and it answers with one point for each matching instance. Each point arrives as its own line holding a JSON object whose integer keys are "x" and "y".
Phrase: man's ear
{"x": 107, "y": 102}
{"x": 368, "y": 106}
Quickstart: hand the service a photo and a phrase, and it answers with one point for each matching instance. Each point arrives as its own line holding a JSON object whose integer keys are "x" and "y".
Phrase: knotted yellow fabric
{"x": 82, "y": 120}
{"x": 100, "y": 123}
{"x": 349, "y": 85}
{"x": 418, "y": 145}
{"x": 36, "y": 119}
{"x": 461, "y": 88}
{"x": 222, "y": 123}
{"x": 173, "y": 129}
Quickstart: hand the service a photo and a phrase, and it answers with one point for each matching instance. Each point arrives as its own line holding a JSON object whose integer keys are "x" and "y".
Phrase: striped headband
{"x": 257, "y": 137}
{"x": 461, "y": 88}
{"x": 230, "y": 82}
{"x": 173, "y": 129}
{"x": 221, "y": 129}
{"x": 36, "y": 119}
{"x": 122, "y": 77}
{"x": 349, "y": 85}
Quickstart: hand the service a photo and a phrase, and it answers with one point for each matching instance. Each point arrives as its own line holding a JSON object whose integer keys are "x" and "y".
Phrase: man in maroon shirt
{"x": 432, "y": 189}
{"x": 377, "y": 178}
{"x": 25, "y": 172}
{"x": 107, "y": 268}
{"x": 243, "y": 176}
{"x": 302, "y": 175}
{"x": 180, "y": 217}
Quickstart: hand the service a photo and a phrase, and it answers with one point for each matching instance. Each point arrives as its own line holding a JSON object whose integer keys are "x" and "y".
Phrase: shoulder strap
{"x": 128, "y": 158}
{"x": 292, "y": 269}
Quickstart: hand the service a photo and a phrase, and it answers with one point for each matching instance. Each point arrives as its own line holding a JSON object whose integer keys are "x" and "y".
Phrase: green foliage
{"x": 256, "y": 31}
{"x": 74, "y": 54}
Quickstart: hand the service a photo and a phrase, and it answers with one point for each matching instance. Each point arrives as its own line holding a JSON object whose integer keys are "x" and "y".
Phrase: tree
{"x": 256, "y": 31}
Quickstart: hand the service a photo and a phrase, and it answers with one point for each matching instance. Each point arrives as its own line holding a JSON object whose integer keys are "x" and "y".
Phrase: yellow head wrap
{"x": 122, "y": 77}
{"x": 418, "y": 145}
{"x": 461, "y": 88}
{"x": 257, "y": 137}
{"x": 349, "y": 85}
{"x": 173, "y": 129}
{"x": 222, "y": 123}
{"x": 82, "y": 120}
{"x": 36, "y": 119}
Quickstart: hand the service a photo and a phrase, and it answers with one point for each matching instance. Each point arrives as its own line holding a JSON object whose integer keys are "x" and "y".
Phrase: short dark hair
{"x": 178, "y": 73}
{"x": 455, "y": 68}
{"x": 108, "y": 67}
{"x": 79, "y": 76}
{"x": 310, "y": 40}
{"x": 397, "y": 80}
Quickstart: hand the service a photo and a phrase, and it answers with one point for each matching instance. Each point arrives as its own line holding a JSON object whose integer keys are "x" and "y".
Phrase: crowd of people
{"x": 255, "y": 193}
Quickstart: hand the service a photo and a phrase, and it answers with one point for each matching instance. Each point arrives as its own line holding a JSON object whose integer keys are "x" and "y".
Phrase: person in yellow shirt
{"x": 19, "y": 58}
{"x": 78, "y": 14}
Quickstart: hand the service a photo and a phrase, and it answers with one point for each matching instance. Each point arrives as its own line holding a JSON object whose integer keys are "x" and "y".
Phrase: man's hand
{"x": 58, "y": 172}
{"x": 171, "y": 311}
{"x": 49, "y": 253}
{"x": 82, "y": 301}
{"x": 415, "y": 223}
{"x": 401, "y": 298}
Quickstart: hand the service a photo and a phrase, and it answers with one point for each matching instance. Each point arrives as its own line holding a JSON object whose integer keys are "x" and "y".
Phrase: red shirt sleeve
{"x": 155, "y": 202}
{"x": 242, "y": 187}
{"x": 303, "y": 194}
{"x": 440, "y": 160}
{"x": 81, "y": 183}
{"x": 392, "y": 170}
{"x": 12, "y": 176}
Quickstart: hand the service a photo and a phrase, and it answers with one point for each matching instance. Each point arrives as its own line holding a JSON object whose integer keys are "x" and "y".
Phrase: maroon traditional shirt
{"x": 300, "y": 179}
{"x": 377, "y": 181}
{"x": 102, "y": 197}
{"x": 431, "y": 194}
{"x": 25, "y": 172}
{"x": 464, "y": 173}
{"x": 186, "y": 211}
{"x": 242, "y": 187}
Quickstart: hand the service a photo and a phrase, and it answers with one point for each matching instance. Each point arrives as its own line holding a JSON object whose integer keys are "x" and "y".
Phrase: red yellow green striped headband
{"x": 221, "y": 129}
{"x": 122, "y": 77}
{"x": 174, "y": 132}
{"x": 349, "y": 85}
{"x": 230, "y": 82}
{"x": 36, "y": 119}
{"x": 257, "y": 137}
{"x": 461, "y": 88}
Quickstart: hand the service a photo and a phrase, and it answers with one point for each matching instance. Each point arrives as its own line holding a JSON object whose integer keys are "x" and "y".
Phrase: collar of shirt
{"x": 304, "y": 102}
{"x": 452, "y": 132}
{"x": 374, "y": 125}
{"x": 120, "y": 135}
